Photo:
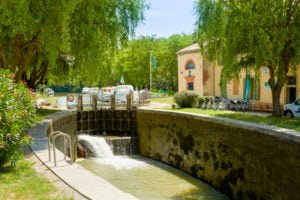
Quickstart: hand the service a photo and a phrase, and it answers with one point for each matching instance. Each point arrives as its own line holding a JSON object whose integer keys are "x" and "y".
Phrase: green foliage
{"x": 186, "y": 99}
{"x": 133, "y": 61}
{"x": 95, "y": 37}
{"x": 246, "y": 35}
{"x": 17, "y": 114}
{"x": 64, "y": 41}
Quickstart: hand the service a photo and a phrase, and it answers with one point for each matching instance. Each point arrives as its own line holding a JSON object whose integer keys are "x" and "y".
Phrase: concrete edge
{"x": 59, "y": 177}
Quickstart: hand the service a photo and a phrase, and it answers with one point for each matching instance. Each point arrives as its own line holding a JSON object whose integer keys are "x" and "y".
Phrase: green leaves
{"x": 133, "y": 61}
{"x": 35, "y": 33}
{"x": 17, "y": 114}
{"x": 251, "y": 34}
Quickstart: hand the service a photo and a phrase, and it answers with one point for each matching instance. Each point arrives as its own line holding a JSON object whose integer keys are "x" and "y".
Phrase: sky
{"x": 167, "y": 17}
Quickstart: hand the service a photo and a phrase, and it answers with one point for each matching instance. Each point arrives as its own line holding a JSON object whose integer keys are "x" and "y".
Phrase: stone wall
{"x": 64, "y": 121}
{"x": 242, "y": 160}
{"x": 123, "y": 145}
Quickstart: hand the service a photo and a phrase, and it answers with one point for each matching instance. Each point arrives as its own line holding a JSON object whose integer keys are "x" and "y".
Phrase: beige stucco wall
{"x": 238, "y": 96}
{"x": 265, "y": 92}
{"x": 183, "y": 60}
{"x": 212, "y": 86}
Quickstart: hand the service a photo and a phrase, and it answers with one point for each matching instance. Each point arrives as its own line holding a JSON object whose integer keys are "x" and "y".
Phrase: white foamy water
{"x": 97, "y": 145}
{"x": 121, "y": 162}
{"x": 104, "y": 154}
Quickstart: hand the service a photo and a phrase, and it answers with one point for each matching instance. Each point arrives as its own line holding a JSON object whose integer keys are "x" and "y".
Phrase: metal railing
{"x": 66, "y": 139}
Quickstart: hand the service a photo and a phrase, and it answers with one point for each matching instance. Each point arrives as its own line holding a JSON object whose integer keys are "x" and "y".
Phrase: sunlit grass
{"x": 23, "y": 183}
{"x": 283, "y": 122}
{"x": 166, "y": 100}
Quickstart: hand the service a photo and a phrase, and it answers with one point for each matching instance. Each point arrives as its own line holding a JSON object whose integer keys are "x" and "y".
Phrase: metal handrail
{"x": 53, "y": 136}
{"x": 49, "y": 140}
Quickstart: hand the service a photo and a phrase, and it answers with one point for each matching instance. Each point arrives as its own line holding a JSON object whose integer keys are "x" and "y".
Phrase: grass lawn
{"x": 24, "y": 183}
{"x": 167, "y": 100}
{"x": 49, "y": 99}
{"x": 283, "y": 122}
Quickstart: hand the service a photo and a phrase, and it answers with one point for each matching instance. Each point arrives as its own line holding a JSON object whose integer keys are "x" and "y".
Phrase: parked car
{"x": 49, "y": 91}
{"x": 86, "y": 90}
{"x": 104, "y": 94}
{"x": 94, "y": 90}
{"x": 122, "y": 91}
{"x": 292, "y": 109}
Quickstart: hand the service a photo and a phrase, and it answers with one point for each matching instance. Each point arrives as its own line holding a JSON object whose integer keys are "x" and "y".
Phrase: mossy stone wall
{"x": 242, "y": 160}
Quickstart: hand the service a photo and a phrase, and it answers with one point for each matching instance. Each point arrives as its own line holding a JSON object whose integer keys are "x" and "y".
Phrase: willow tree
{"x": 250, "y": 35}
{"x": 35, "y": 35}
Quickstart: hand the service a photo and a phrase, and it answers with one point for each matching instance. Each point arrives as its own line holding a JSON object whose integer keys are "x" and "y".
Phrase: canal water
{"x": 145, "y": 178}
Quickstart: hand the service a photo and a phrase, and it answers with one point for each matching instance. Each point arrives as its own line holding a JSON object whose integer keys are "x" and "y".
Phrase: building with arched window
{"x": 197, "y": 74}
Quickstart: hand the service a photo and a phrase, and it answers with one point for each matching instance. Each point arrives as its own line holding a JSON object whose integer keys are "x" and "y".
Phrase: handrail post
{"x": 66, "y": 139}
{"x": 94, "y": 102}
{"x": 80, "y": 102}
{"x": 65, "y": 147}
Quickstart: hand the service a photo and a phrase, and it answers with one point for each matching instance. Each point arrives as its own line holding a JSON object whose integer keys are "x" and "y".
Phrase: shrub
{"x": 17, "y": 114}
{"x": 186, "y": 99}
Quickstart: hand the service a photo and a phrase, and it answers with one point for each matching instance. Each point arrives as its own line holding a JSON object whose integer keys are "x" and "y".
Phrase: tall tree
{"x": 133, "y": 60}
{"x": 166, "y": 74}
{"x": 251, "y": 34}
{"x": 36, "y": 34}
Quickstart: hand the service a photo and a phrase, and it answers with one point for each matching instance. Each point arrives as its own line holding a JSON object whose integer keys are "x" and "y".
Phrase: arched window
{"x": 190, "y": 65}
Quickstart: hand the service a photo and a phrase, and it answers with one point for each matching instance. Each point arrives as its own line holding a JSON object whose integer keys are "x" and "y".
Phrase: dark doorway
{"x": 290, "y": 94}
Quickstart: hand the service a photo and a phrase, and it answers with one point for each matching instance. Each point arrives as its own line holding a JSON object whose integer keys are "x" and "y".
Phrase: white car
{"x": 292, "y": 109}
{"x": 104, "y": 94}
{"x": 122, "y": 91}
{"x": 86, "y": 90}
{"x": 49, "y": 91}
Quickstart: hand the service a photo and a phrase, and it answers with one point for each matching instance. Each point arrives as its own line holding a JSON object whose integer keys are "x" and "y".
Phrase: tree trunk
{"x": 37, "y": 75}
{"x": 276, "y": 104}
{"x": 276, "y": 87}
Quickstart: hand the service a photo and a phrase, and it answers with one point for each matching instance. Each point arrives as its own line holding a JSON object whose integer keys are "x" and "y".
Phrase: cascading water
{"x": 101, "y": 152}
{"x": 97, "y": 146}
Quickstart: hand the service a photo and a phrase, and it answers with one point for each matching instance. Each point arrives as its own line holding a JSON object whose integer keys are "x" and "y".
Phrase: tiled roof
{"x": 192, "y": 48}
